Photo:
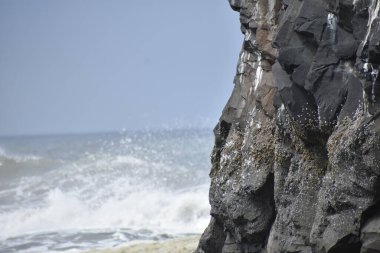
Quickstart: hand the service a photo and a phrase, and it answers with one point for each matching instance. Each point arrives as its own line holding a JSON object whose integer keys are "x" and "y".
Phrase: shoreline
{"x": 186, "y": 244}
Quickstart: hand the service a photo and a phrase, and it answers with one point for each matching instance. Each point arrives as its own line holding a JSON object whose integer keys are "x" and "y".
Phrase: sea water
{"x": 69, "y": 193}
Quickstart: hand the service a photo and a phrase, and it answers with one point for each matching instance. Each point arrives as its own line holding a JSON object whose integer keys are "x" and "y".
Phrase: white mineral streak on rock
{"x": 331, "y": 24}
{"x": 252, "y": 116}
{"x": 348, "y": 67}
{"x": 365, "y": 104}
{"x": 241, "y": 62}
{"x": 248, "y": 35}
{"x": 282, "y": 108}
{"x": 374, "y": 75}
{"x": 240, "y": 69}
{"x": 272, "y": 11}
{"x": 365, "y": 67}
{"x": 348, "y": 70}
{"x": 241, "y": 78}
{"x": 373, "y": 11}
{"x": 258, "y": 125}
{"x": 319, "y": 116}
{"x": 259, "y": 73}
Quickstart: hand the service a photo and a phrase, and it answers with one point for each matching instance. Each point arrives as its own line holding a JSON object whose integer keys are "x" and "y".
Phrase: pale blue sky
{"x": 103, "y": 65}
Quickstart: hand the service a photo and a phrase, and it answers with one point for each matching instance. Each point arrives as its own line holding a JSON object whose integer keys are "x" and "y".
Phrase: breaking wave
{"x": 125, "y": 189}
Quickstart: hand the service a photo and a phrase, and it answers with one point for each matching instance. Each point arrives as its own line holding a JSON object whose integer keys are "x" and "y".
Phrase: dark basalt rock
{"x": 296, "y": 161}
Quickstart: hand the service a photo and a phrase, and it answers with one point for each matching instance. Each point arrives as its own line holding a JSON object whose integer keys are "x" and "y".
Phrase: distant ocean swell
{"x": 113, "y": 189}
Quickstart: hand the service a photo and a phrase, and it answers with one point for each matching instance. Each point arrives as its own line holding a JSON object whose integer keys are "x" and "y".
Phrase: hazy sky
{"x": 103, "y": 65}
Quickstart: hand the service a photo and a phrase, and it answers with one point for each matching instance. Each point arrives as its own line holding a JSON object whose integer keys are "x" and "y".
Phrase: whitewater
{"x": 70, "y": 193}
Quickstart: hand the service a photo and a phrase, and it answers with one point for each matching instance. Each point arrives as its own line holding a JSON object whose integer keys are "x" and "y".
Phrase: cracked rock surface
{"x": 296, "y": 161}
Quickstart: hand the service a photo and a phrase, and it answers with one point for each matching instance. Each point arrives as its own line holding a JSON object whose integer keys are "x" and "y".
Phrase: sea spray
{"x": 102, "y": 190}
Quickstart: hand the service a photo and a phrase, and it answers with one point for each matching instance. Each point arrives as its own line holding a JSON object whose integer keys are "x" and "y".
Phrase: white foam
{"x": 156, "y": 210}
{"x": 132, "y": 186}
{"x": 127, "y": 159}
{"x": 18, "y": 158}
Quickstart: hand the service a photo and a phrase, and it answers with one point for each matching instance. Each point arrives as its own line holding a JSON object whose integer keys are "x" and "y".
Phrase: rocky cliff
{"x": 296, "y": 161}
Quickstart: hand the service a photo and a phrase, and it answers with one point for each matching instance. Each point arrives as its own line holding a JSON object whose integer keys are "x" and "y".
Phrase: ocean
{"x": 71, "y": 193}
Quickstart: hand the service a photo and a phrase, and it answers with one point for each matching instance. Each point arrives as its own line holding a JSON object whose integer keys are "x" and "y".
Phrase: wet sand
{"x": 179, "y": 245}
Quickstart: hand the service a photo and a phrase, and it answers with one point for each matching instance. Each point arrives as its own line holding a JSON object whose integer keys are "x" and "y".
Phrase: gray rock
{"x": 370, "y": 233}
{"x": 296, "y": 161}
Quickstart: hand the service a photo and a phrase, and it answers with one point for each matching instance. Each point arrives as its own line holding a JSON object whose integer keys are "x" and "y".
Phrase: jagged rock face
{"x": 296, "y": 162}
